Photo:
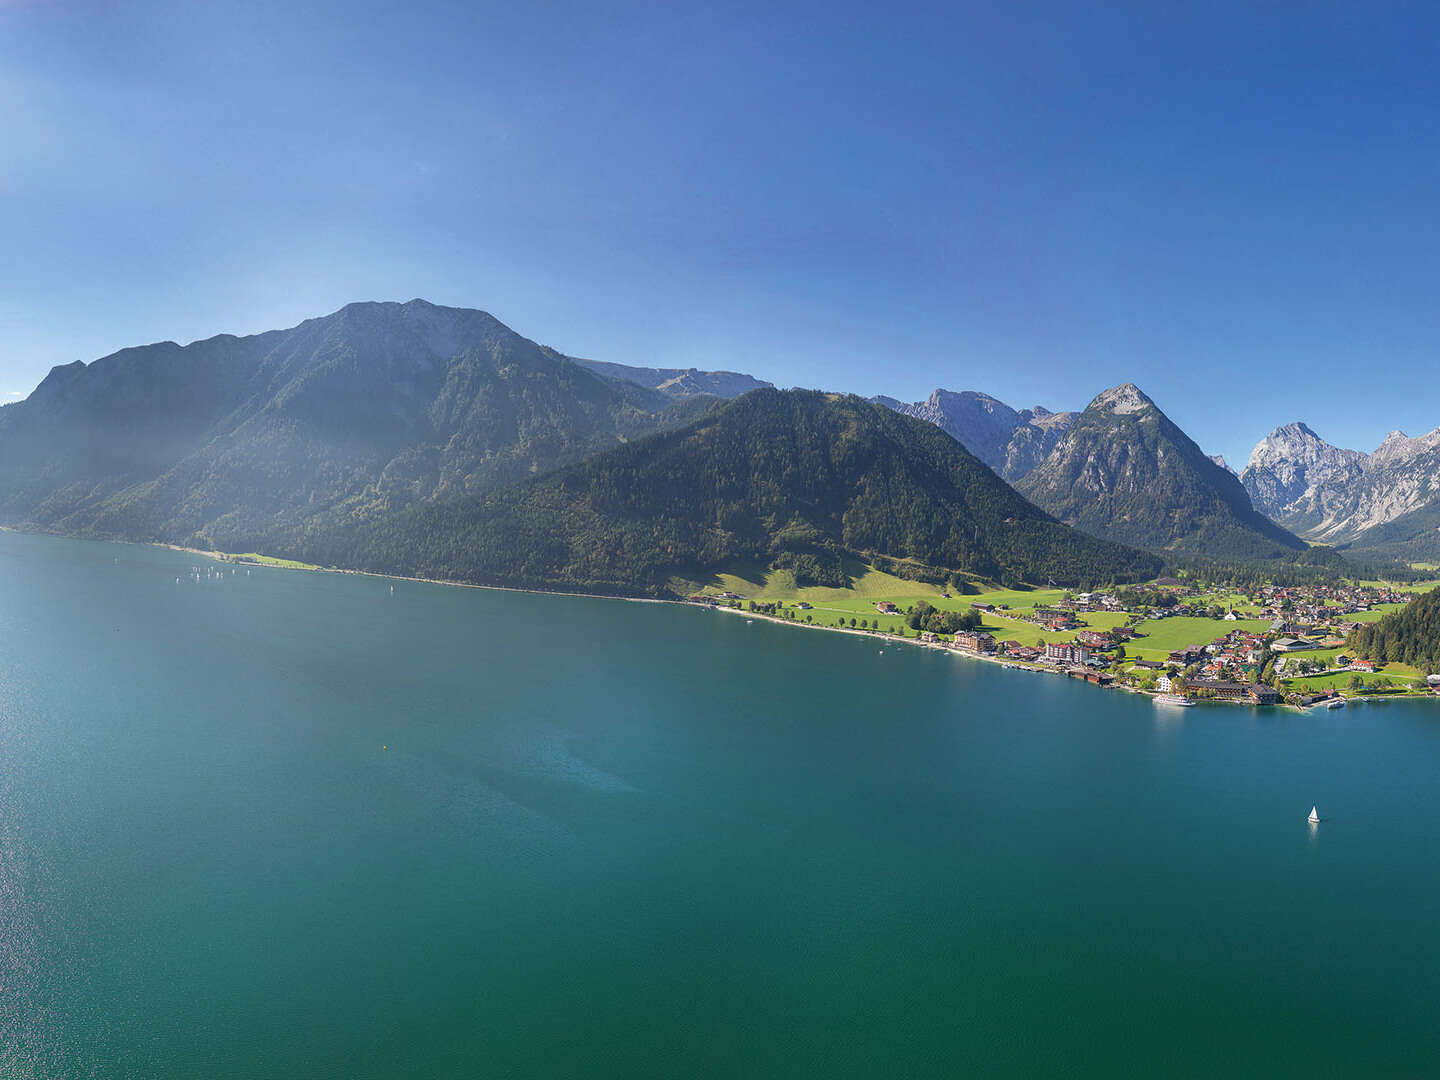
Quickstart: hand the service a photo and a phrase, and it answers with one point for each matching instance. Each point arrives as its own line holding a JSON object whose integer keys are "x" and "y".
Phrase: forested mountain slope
{"x": 796, "y": 479}
{"x": 1408, "y": 636}
{"x": 1124, "y": 471}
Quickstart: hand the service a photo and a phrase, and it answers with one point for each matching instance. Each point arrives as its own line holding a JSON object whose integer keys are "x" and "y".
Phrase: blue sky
{"x": 1232, "y": 205}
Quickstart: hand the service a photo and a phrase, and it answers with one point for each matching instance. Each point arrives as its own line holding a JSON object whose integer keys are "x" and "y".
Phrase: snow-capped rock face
{"x": 1010, "y": 441}
{"x": 1331, "y": 495}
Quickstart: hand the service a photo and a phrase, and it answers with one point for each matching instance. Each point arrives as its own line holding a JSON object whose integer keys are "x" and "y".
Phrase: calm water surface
{"x": 289, "y": 824}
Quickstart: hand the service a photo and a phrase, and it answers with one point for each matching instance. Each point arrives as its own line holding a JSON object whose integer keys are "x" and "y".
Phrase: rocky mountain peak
{"x": 1010, "y": 442}
{"x": 1122, "y": 399}
{"x": 1293, "y": 443}
{"x": 1124, "y": 469}
{"x": 1399, "y": 447}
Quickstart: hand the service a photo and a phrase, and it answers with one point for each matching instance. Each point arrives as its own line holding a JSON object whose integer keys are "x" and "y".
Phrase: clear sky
{"x": 1233, "y": 205}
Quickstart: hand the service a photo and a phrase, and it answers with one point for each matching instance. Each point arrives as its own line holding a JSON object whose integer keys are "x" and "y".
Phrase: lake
{"x": 293, "y": 824}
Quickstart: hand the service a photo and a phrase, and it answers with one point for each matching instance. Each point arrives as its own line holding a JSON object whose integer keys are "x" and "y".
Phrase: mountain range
{"x": 796, "y": 480}
{"x": 397, "y": 436}
{"x": 327, "y": 440}
{"x": 1010, "y": 441}
{"x": 246, "y": 442}
{"x": 1347, "y": 497}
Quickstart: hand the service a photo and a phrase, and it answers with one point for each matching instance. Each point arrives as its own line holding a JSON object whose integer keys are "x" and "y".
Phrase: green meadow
{"x": 1164, "y": 635}
{"x": 264, "y": 560}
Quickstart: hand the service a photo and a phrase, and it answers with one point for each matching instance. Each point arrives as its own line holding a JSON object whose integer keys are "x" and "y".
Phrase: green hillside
{"x": 1408, "y": 636}
{"x": 793, "y": 480}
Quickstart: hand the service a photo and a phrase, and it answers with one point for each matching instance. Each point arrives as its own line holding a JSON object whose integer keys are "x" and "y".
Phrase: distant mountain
{"x": 1010, "y": 441}
{"x": 678, "y": 382}
{"x": 263, "y": 440}
{"x": 1296, "y": 477}
{"x": 1219, "y": 459}
{"x": 787, "y": 479}
{"x": 1344, "y": 496}
{"x": 1124, "y": 471}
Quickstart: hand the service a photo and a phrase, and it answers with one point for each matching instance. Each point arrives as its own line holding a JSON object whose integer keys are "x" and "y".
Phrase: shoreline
{"x": 228, "y": 557}
{"x": 1014, "y": 665}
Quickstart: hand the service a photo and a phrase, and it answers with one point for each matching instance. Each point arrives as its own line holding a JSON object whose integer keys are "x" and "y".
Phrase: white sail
{"x": 1314, "y": 814}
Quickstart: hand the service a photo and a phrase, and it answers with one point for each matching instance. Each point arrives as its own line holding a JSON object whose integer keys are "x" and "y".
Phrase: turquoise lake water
{"x": 291, "y": 825}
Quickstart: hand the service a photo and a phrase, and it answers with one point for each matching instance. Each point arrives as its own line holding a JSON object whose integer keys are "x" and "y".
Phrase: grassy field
{"x": 1404, "y": 586}
{"x": 871, "y": 586}
{"x": 1340, "y": 680}
{"x": 1381, "y": 610}
{"x": 1238, "y": 601}
{"x": 1163, "y": 635}
{"x": 265, "y": 560}
{"x": 1027, "y": 633}
{"x": 1316, "y": 654}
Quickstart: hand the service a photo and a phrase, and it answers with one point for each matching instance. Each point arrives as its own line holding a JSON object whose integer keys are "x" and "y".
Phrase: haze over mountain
{"x": 1339, "y": 496}
{"x": 1124, "y": 471}
{"x": 797, "y": 480}
{"x": 382, "y": 431}
{"x": 1010, "y": 441}
{"x": 239, "y": 442}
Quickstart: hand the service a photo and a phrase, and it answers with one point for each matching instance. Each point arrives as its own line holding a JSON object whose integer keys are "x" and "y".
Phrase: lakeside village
{"x": 1272, "y": 646}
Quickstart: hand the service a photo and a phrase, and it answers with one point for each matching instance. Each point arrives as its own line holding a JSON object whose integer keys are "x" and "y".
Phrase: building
{"x": 1292, "y": 644}
{"x": 1097, "y": 639}
{"x": 1068, "y": 652}
{"x": 1264, "y": 695}
{"x": 1257, "y": 693}
{"x": 974, "y": 641}
{"x": 1188, "y": 655}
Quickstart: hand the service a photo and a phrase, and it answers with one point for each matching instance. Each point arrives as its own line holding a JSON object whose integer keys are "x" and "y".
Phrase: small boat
{"x": 1314, "y": 817}
{"x": 1174, "y": 699}
{"x": 1335, "y": 703}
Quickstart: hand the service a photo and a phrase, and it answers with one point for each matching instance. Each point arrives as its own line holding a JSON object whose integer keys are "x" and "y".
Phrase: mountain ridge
{"x": 373, "y": 405}
{"x": 1011, "y": 441}
{"x": 1338, "y": 496}
{"x": 678, "y": 382}
{"x": 796, "y": 479}
{"x": 1126, "y": 472}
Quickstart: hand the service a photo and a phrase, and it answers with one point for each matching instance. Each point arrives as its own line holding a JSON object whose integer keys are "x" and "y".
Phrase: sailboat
{"x": 1314, "y": 817}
